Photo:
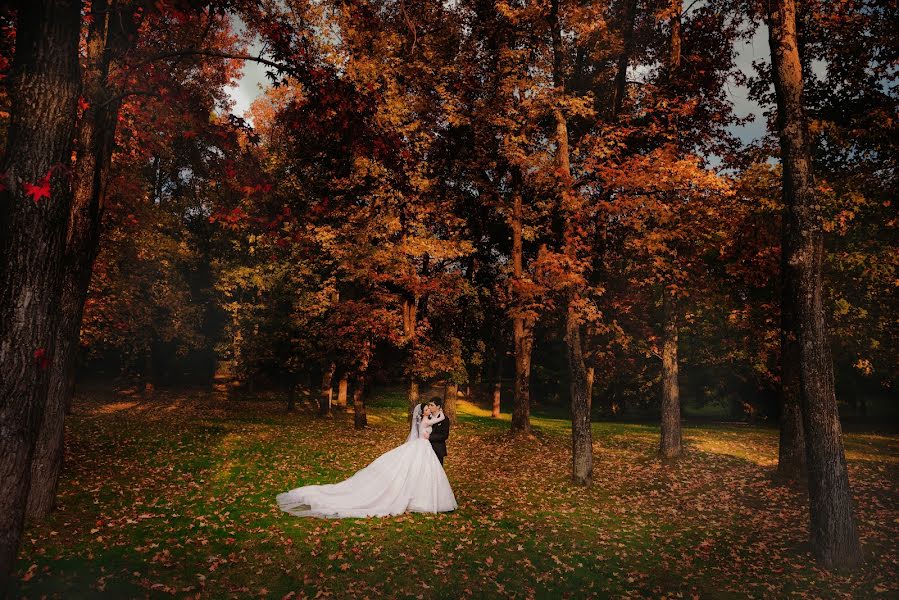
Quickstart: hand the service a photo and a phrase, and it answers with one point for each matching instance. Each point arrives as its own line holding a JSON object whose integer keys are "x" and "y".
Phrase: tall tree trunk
{"x": 627, "y": 47}
{"x": 834, "y": 536}
{"x": 591, "y": 377}
{"x": 670, "y": 445}
{"x": 581, "y": 434}
{"x": 148, "y": 374}
{"x": 410, "y": 326}
{"x": 569, "y": 204}
{"x": 360, "y": 419}
{"x": 450, "y": 395}
{"x": 497, "y": 385}
{"x": 327, "y": 391}
{"x": 791, "y": 451}
{"x": 291, "y": 394}
{"x": 522, "y": 326}
{"x": 44, "y": 89}
{"x": 414, "y": 395}
{"x": 111, "y": 32}
{"x": 342, "y": 386}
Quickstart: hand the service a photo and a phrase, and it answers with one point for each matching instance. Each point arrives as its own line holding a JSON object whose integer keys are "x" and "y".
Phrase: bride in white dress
{"x": 408, "y": 478}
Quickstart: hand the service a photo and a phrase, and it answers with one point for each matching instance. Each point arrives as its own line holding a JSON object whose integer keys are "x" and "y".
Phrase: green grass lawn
{"x": 174, "y": 496}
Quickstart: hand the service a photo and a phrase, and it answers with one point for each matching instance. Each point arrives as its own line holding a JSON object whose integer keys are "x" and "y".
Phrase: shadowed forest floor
{"x": 174, "y": 496}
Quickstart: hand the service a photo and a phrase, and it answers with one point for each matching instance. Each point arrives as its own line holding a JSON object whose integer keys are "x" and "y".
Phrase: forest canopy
{"x": 534, "y": 204}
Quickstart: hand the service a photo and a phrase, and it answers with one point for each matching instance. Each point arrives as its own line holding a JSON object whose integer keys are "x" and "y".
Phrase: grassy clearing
{"x": 174, "y": 496}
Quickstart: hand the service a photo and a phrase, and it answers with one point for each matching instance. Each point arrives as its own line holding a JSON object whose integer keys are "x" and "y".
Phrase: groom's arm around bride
{"x": 439, "y": 433}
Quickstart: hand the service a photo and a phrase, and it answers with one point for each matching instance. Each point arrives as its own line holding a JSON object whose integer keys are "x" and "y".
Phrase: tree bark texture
{"x": 670, "y": 444}
{"x": 342, "y": 386}
{"x": 327, "y": 390}
{"x": 111, "y": 33}
{"x": 360, "y": 420}
{"x": 44, "y": 87}
{"x": 522, "y": 331}
{"x": 791, "y": 449}
{"x": 834, "y": 536}
{"x": 627, "y": 47}
{"x": 450, "y": 395}
{"x": 569, "y": 203}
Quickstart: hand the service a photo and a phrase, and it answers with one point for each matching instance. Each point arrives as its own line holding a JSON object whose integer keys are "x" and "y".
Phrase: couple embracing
{"x": 409, "y": 478}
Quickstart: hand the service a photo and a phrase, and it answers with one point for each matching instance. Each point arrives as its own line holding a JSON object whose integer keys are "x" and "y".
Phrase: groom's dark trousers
{"x": 439, "y": 434}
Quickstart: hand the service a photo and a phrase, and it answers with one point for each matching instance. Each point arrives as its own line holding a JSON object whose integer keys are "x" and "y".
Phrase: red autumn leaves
{"x": 37, "y": 190}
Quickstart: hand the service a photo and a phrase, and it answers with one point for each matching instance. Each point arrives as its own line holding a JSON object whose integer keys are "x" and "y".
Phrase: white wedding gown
{"x": 408, "y": 478}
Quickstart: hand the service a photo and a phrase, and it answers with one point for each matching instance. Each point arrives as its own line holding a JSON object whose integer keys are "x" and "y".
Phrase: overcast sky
{"x": 253, "y": 82}
{"x": 251, "y": 85}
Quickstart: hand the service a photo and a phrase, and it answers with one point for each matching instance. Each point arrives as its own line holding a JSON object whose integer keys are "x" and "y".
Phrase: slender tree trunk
{"x": 410, "y": 326}
{"x": 291, "y": 394}
{"x": 148, "y": 375}
{"x": 342, "y": 386}
{"x": 791, "y": 452}
{"x": 111, "y": 32}
{"x": 833, "y": 531}
{"x": 497, "y": 386}
{"x": 360, "y": 420}
{"x": 414, "y": 395}
{"x": 327, "y": 391}
{"x": 627, "y": 47}
{"x": 522, "y": 327}
{"x": 581, "y": 434}
{"x": 591, "y": 376}
{"x": 570, "y": 205}
{"x": 450, "y": 395}
{"x": 670, "y": 445}
{"x": 43, "y": 89}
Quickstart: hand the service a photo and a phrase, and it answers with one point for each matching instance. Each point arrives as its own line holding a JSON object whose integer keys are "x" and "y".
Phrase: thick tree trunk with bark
{"x": 342, "y": 386}
{"x": 44, "y": 89}
{"x": 450, "y": 395}
{"x": 111, "y": 33}
{"x": 670, "y": 445}
{"x": 791, "y": 451}
{"x": 327, "y": 390}
{"x": 522, "y": 329}
{"x": 834, "y": 536}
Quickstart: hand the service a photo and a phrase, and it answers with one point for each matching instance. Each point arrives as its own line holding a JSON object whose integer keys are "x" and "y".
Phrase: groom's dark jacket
{"x": 439, "y": 433}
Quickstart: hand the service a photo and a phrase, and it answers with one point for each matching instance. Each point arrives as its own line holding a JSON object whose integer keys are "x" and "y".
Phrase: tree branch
{"x": 216, "y": 54}
{"x": 125, "y": 94}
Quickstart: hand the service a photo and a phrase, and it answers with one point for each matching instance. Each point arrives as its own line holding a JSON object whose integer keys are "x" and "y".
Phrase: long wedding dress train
{"x": 408, "y": 478}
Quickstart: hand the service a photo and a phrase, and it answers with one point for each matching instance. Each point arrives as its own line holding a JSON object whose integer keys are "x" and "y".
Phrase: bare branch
{"x": 216, "y": 54}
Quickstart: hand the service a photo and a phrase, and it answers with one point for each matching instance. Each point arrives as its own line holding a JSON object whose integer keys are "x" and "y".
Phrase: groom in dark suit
{"x": 439, "y": 431}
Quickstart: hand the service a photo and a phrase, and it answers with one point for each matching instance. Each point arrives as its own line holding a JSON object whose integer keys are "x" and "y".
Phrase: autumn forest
{"x": 667, "y": 348}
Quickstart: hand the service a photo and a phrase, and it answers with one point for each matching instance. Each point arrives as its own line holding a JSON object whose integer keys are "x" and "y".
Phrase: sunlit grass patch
{"x": 178, "y": 502}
